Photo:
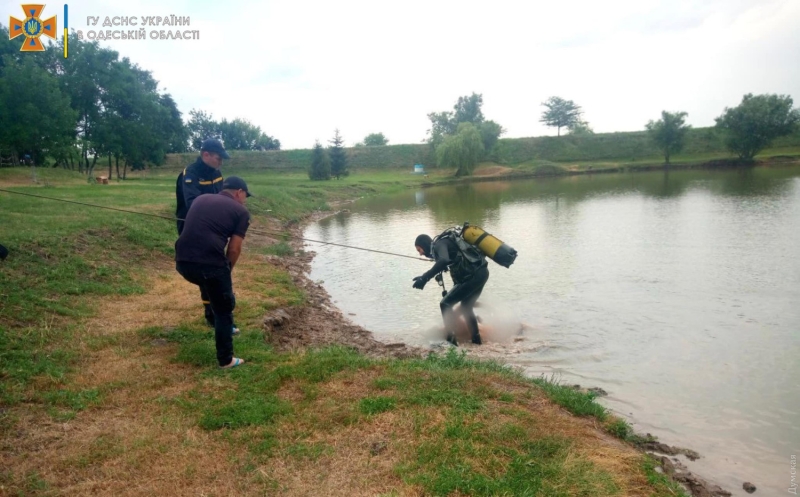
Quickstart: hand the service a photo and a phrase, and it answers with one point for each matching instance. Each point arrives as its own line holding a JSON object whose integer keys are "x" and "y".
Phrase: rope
{"x": 172, "y": 218}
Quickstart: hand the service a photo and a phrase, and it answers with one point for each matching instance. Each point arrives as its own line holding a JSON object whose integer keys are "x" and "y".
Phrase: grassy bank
{"x": 108, "y": 382}
{"x": 599, "y": 150}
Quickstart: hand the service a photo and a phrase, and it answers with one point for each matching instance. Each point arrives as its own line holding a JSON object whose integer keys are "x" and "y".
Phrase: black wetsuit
{"x": 469, "y": 279}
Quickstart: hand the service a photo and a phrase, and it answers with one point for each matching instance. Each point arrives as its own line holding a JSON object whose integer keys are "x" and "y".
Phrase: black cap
{"x": 235, "y": 183}
{"x": 215, "y": 147}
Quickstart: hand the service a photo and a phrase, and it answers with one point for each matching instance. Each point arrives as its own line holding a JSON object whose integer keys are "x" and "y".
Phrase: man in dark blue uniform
{"x": 213, "y": 223}
{"x": 202, "y": 176}
{"x": 470, "y": 272}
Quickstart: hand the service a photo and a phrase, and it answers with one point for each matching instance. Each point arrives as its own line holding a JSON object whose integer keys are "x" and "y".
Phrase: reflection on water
{"x": 676, "y": 292}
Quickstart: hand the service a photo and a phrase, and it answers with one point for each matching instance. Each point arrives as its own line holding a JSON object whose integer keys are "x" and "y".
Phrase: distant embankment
{"x": 615, "y": 147}
{"x": 389, "y": 156}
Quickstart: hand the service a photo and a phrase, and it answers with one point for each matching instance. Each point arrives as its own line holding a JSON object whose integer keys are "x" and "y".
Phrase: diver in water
{"x": 469, "y": 270}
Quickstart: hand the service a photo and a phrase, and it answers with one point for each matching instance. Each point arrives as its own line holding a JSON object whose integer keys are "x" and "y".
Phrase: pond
{"x": 678, "y": 293}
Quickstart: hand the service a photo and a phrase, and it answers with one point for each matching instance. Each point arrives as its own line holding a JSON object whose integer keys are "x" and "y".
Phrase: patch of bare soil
{"x": 486, "y": 171}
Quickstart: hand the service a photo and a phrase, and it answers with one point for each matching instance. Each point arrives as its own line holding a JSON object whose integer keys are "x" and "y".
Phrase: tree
{"x": 338, "y": 156}
{"x": 560, "y": 113}
{"x": 375, "y": 139}
{"x": 490, "y": 132}
{"x": 177, "y": 133}
{"x": 136, "y": 124}
{"x": 85, "y": 77}
{"x": 580, "y": 128}
{"x": 320, "y": 164}
{"x": 461, "y": 150}
{"x": 35, "y": 116}
{"x": 201, "y": 126}
{"x": 757, "y": 121}
{"x": 239, "y": 134}
{"x": 466, "y": 110}
{"x": 669, "y": 132}
{"x": 442, "y": 125}
{"x": 266, "y": 142}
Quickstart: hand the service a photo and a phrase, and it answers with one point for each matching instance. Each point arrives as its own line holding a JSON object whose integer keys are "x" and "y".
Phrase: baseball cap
{"x": 214, "y": 146}
{"x": 235, "y": 183}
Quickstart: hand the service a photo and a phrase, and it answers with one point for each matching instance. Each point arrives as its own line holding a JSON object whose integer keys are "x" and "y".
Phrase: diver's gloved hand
{"x": 419, "y": 282}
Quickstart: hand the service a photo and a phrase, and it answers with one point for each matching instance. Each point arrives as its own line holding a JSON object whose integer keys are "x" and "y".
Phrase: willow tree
{"x": 462, "y": 150}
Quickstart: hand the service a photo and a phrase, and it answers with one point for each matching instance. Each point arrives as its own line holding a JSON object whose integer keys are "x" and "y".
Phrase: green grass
{"x": 64, "y": 258}
{"x": 576, "y": 402}
{"x": 470, "y": 453}
{"x": 280, "y": 249}
{"x": 534, "y": 468}
{"x": 377, "y": 405}
{"x": 660, "y": 482}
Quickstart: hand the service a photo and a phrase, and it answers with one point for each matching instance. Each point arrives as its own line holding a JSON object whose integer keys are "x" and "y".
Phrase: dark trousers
{"x": 467, "y": 294}
{"x": 215, "y": 281}
{"x": 209, "y": 313}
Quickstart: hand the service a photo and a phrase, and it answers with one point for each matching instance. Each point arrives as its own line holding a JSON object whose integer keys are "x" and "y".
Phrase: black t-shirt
{"x": 211, "y": 221}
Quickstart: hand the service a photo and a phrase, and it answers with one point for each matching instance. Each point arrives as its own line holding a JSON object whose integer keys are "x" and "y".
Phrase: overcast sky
{"x": 300, "y": 69}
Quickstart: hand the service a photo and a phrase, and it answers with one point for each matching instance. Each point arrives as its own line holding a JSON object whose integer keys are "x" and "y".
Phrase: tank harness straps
{"x": 480, "y": 238}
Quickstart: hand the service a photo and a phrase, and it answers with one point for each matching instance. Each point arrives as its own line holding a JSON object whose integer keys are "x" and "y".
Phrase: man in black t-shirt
{"x": 212, "y": 223}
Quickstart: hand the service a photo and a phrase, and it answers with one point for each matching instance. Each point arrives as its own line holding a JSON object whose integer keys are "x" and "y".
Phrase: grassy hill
{"x": 627, "y": 147}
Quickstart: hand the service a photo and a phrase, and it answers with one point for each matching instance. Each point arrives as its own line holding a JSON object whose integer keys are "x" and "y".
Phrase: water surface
{"x": 677, "y": 293}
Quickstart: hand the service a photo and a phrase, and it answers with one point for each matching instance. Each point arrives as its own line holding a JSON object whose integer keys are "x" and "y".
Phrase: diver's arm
{"x": 442, "y": 260}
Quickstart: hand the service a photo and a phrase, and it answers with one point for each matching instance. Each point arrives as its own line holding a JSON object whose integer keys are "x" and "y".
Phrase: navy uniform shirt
{"x": 210, "y": 223}
{"x": 198, "y": 178}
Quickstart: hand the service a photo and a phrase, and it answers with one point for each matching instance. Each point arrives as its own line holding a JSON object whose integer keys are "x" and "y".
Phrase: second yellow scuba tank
{"x": 493, "y": 247}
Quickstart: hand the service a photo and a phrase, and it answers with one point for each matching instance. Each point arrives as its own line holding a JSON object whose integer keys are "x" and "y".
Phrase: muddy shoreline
{"x": 320, "y": 323}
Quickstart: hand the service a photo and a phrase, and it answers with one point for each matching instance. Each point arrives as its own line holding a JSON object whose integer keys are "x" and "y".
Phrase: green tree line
{"x": 97, "y": 108}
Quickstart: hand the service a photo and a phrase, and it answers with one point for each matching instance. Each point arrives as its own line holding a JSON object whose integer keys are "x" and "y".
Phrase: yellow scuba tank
{"x": 493, "y": 247}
